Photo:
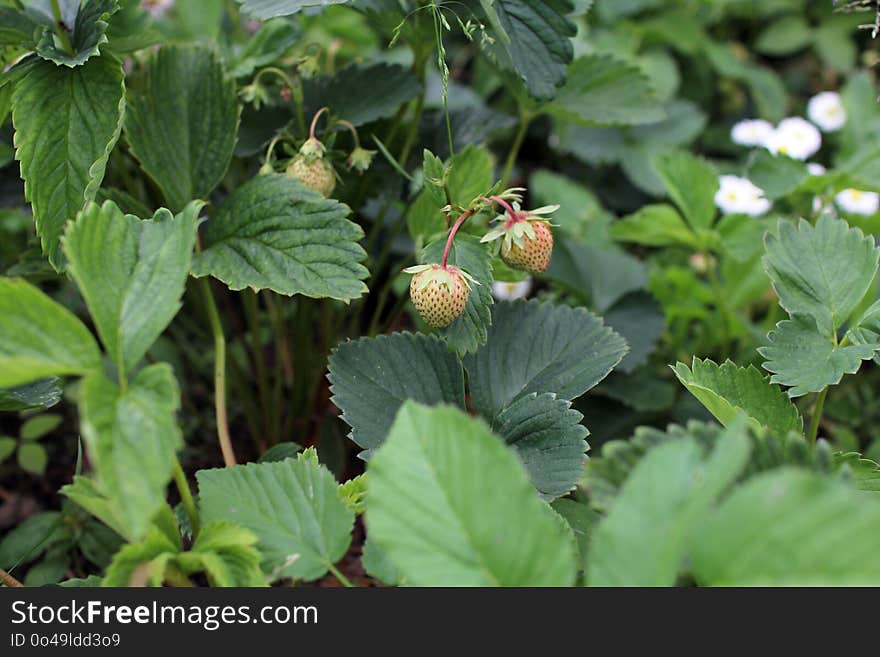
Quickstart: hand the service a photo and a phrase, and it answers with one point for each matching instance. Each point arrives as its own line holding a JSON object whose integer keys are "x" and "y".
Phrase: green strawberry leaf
{"x": 822, "y": 271}
{"x": 790, "y": 528}
{"x": 131, "y": 272}
{"x": 536, "y": 347}
{"x": 226, "y": 553}
{"x": 86, "y": 31}
{"x": 131, "y": 437}
{"x": 655, "y": 225}
{"x": 451, "y": 505}
{"x": 143, "y": 563}
{"x": 776, "y": 175}
{"x": 292, "y": 506}
{"x": 40, "y": 338}
{"x": 67, "y": 121}
{"x": 548, "y": 436}
{"x": 805, "y": 360}
{"x": 40, "y": 394}
{"x": 533, "y": 38}
{"x": 363, "y": 93}
{"x": 656, "y": 517}
{"x": 603, "y": 90}
{"x": 370, "y": 378}
{"x": 728, "y": 391}
{"x": 182, "y": 122}
{"x": 16, "y": 28}
{"x": 691, "y": 183}
{"x": 264, "y": 9}
{"x": 274, "y": 233}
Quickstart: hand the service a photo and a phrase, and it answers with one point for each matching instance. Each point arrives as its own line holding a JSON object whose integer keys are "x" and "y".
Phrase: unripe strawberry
{"x": 527, "y": 239}
{"x": 535, "y": 253}
{"x": 439, "y": 293}
{"x": 311, "y": 169}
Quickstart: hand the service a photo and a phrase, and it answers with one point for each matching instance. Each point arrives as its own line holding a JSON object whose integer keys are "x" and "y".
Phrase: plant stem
{"x": 524, "y": 122}
{"x": 9, "y": 581}
{"x": 252, "y": 313}
{"x": 186, "y": 497}
{"x": 464, "y": 217}
{"x": 219, "y": 373}
{"x": 338, "y": 575}
{"x": 817, "y": 416}
{"x": 315, "y": 122}
{"x": 60, "y": 29}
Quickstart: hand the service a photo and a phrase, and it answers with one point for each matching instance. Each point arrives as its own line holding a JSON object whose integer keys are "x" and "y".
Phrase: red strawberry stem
{"x": 315, "y": 122}
{"x": 458, "y": 222}
{"x": 504, "y": 204}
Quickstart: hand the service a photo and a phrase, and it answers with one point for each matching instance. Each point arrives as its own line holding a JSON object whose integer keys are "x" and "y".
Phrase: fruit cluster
{"x": 440, "y": 291}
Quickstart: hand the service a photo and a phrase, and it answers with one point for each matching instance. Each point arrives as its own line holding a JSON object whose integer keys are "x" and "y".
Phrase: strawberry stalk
{"x": 458, "y": 222}
{"x": 504, "y": 204}
{"x": 315, "y": 122}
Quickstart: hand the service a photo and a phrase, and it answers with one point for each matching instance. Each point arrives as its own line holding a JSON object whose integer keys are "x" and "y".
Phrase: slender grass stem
{"x": 816, "y": 418}
{"x": 186, "y": 497}
{"x": 219, "y": 373}
{"x": 515, "y": 147}
{"x": 338, "y": 575}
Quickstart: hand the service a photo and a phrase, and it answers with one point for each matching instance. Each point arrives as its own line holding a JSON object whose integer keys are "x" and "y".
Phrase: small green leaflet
{"x": 40, "y": 338}
{"x": 292, "y": 506}
{"x": 131, "y": 272}
{"x": 728, "y": 390}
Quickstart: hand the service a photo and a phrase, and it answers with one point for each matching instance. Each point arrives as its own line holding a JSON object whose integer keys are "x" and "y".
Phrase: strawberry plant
{"x": 336, "y": 293}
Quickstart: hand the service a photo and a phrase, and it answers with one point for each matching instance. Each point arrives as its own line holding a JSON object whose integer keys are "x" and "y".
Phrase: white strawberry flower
{"x": 157, "y": 8}
{"x": 816, "y": 169}
{"x": 855, "y": 201}
{"x": 796, "y": 138}
{"x": 826, "y": 110}
{"x": 752, "y": 132}
{"x": 740, "y": 196}
{"x": 503, "y": 291}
